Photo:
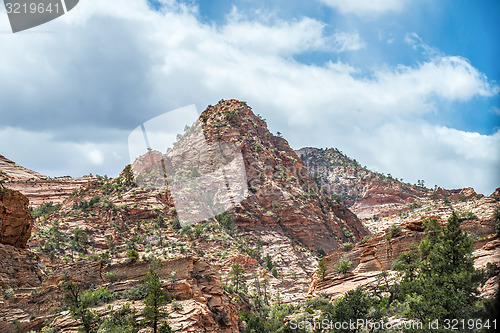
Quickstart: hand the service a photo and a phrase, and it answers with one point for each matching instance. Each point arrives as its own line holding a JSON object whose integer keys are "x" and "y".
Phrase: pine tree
{"x": 128, "y": 176}
{"x": 236, "y": 274}
{"x": 448, "y": 280}
{"x": 354, "y": 305}
{"x": 78, "y": 306}
{"x": 155, "y": 299}
{"x": 79, "y": 241}
{"x": 321, "y": 271}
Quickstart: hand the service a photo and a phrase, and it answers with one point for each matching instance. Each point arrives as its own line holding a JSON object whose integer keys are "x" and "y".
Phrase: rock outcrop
{"x": 15, "y": 218}
{"x": 19, "y": 268}
{"x": 285, "y": 221}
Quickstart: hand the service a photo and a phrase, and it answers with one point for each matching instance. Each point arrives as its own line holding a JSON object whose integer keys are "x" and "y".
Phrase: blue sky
{"x": 406, "y": 87}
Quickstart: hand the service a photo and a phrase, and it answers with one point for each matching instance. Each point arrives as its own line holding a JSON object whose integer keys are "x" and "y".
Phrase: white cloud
{"x": 280, "y": 38}
{"x": 113, "y": 65}
{"x": 450, "y": 77}
{"x": 414, "y": 40}
{"x": 366, "y": 7}
{"x": 95, "y": 155}
{"x": 444, "y": 156}
{"x": 346, "y": 41}
{"x": 42, "y": 152}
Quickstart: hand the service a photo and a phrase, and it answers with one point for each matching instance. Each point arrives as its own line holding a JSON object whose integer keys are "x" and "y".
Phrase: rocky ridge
{"x": 381, "y": 200}
{"x": 37, "y": 187}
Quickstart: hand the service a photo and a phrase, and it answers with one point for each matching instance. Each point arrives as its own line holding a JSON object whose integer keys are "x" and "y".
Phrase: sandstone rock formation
{"x": 19, "y": 268}
{"x": 277, "y": 233}
{"x": 16, "y": 171}
{"x": 15, "y": 218}
{"x": 283, "y": 195}
{"x": 37, "y": 187}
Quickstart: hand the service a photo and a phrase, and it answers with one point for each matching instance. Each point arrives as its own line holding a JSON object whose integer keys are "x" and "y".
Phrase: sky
{"x": 405, "y": 87}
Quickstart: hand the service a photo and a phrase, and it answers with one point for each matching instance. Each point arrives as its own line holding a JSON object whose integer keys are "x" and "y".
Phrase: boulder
{"x": 15, "y": 218}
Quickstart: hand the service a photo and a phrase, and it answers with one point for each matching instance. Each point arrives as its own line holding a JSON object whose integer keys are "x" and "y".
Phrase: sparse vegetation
{"x": 347, "y": 246}
{"x": 366, "y": 239}
{"x": 3, "y": 179}
{"x": 466, "y": 216}
{"x": 46, "y": 208}
{"x": 129, "y": 224}
{"x": 133, "y": 255}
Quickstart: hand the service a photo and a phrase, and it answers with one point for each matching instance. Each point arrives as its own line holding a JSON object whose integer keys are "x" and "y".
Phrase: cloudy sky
{"x": 407, "y": 87}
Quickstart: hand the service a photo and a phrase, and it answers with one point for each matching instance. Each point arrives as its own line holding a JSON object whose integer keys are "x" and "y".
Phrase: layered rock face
{"x": 46, "y": 190}
{"x": 37, "y": 187}
{"x": 268, "y": 187}
{"x": 275, "y": 232}
{"x": 19, "y": 268}
{"x": 16, "y": 171}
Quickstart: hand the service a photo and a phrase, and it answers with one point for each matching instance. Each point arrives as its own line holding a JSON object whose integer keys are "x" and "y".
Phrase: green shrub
{"x": 176, "y": 306}
{"x": 46, "y": 208}
{"x": 347, "y": 233}
{"x": 322, "y": 268}
{"x": 226, "y": 222}
{"x": 133, "y": 255}
{"x": 120, "y": 320}
{"x": 466, "y": 216}
{"x": 137, "y": 292}
{"x": 319, "y": 303}
{"x": 347, "y": 246}
{"x": 93, "y": 297}
{"x": 112, "y": 276}
{"x": 393, "y": 231}
{"x": 343, "y": 265}
{"x": 8, "y": 293}
{"x": 366, "y": 239}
